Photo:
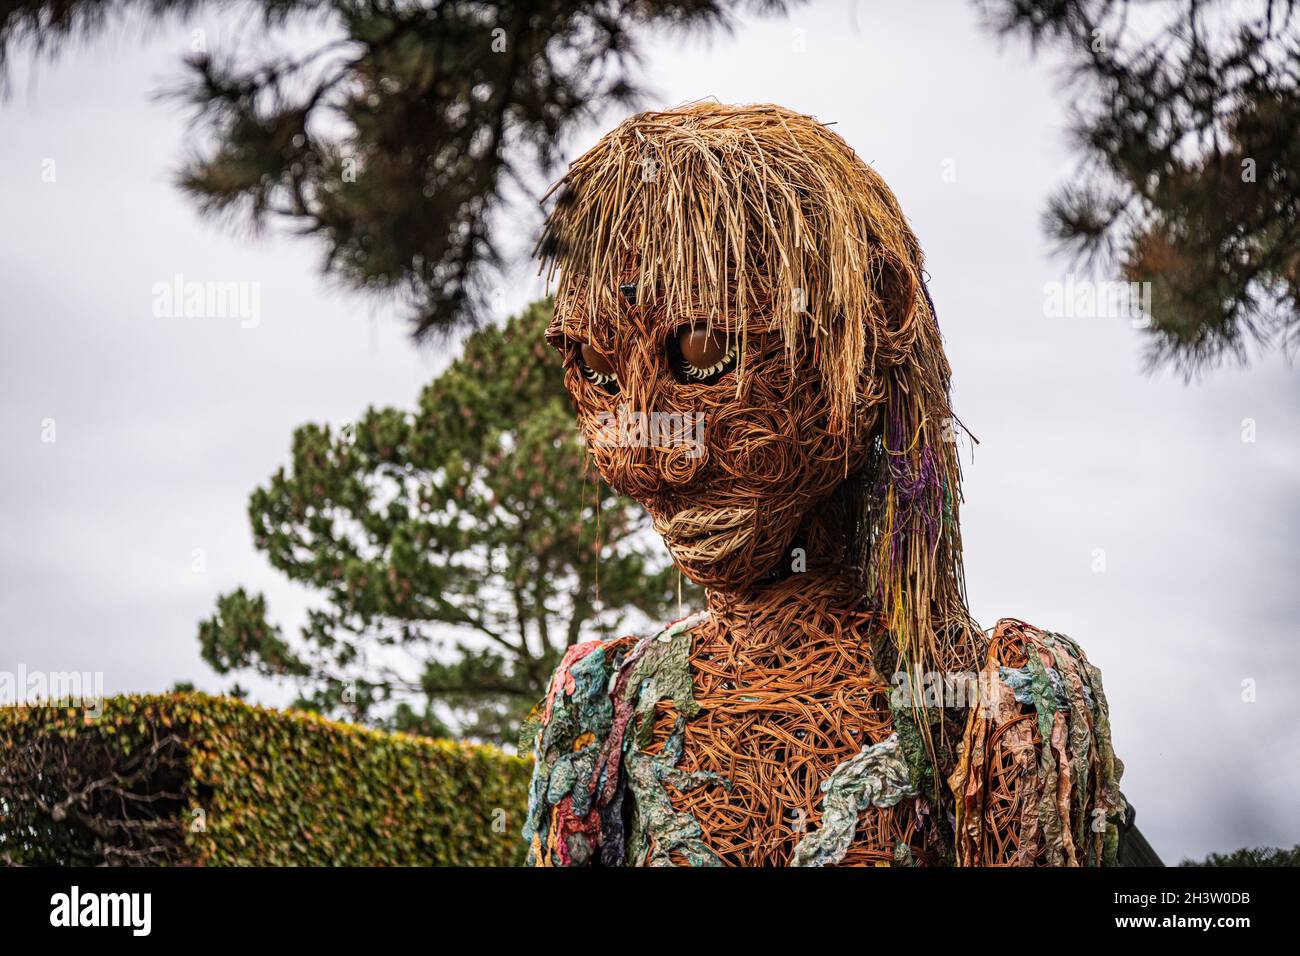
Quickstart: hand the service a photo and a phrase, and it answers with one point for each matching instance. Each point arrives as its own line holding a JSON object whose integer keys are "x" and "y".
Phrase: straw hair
{"x": 756, "y": 217}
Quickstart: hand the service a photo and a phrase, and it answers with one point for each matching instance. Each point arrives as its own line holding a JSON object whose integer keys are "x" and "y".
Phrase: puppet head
{"x": 753, "y": 356}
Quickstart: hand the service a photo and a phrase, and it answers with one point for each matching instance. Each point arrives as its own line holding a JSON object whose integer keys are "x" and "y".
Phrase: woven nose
{"x": 642, "y": 374}
{"x": 666, "y": 446}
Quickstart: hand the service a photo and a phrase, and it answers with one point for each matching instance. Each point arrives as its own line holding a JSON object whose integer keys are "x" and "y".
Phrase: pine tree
{"x": 1188, "y": 121}
{"x": 397, "y": 142}
{"x": 1251, "y": 856}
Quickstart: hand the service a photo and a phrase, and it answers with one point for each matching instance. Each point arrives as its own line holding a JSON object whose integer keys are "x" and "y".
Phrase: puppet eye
{"x": 596, "y": 368}
{"x": 703, "y": 355}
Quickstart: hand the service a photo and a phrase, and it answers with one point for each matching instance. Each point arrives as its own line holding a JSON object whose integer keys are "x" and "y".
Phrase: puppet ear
{"x": 892, "y": 323}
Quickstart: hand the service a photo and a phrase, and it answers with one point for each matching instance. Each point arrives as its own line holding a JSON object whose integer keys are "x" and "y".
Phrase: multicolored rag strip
{"x": 877, "y": 776}
{"x": 589, "y": 744}
{"x": 1038, "y": 782}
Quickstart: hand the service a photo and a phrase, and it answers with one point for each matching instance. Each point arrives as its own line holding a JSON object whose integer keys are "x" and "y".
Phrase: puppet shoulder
{"x": 1037, "y": 782}
{"x": 587, "y": 737}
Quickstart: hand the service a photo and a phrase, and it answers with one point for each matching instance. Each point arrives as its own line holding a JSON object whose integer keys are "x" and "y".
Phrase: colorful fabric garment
{"x": 1036, "y": 751}
{"x": 589, "y": 745}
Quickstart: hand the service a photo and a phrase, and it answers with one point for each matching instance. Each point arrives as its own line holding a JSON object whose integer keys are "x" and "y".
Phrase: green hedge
{"x": 193, "y": 779}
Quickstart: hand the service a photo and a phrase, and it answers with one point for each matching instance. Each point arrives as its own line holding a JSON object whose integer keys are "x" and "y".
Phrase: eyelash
{"x": 684, "y": 370}
{"x": 605, "y": 381}
{"x": 725, "y": 364}
{"x": 591, "y": 375}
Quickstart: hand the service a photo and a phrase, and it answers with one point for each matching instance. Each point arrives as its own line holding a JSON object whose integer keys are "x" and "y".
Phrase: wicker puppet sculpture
{"x": 834, "y": 703}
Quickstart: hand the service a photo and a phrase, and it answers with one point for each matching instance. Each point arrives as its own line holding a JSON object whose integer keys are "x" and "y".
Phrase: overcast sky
{"x": 1123, "y": 509}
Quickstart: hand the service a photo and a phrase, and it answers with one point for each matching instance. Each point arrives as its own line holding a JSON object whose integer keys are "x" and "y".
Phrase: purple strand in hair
{"x": 916, "y": 480}
{"x": 934, "y": 313}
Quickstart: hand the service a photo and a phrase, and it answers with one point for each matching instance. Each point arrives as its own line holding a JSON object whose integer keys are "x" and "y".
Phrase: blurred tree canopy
{"x": 459, "y": 550}
{"x": 1251, "y": 856}
{"x": 394, "y": 142}
{"x": 1188, "y": 120}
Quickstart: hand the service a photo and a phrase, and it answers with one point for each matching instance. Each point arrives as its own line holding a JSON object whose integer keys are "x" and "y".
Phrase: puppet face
{"x": 717, "y": 432}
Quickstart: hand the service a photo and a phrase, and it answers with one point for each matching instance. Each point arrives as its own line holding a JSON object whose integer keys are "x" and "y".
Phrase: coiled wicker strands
{"x": 787, "y": 693}
{"x": 1037, "y": 780}
{"x": 818, "y": 504}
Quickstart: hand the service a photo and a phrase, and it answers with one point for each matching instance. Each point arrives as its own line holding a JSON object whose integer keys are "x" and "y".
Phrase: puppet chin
{"x": 726, "y": 552}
